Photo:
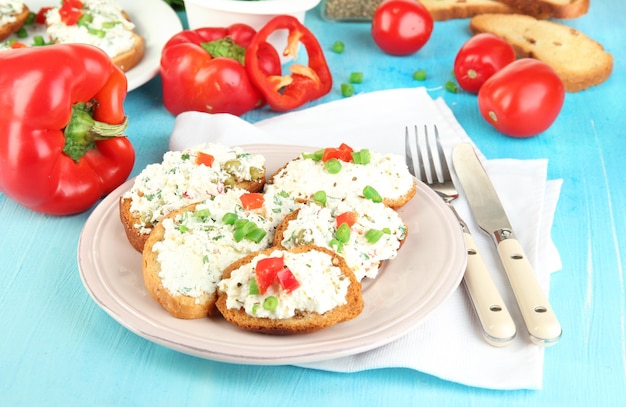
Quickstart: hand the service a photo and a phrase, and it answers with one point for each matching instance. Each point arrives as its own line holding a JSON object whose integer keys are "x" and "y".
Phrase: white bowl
{"x": 222, "y": 13}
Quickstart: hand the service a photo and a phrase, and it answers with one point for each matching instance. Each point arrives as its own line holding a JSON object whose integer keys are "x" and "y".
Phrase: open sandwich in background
{"x": 13, "y": 15}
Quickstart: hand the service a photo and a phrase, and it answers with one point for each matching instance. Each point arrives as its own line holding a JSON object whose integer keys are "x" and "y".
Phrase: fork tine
{"x": 431, "y": 162}
{"x": 408, "y": 156}
{"x": 445, "y": 170}
{"x": 420, "y": 161}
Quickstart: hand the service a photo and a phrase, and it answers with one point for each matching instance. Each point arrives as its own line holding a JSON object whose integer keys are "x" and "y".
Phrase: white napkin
{"x": 448, "y": 344}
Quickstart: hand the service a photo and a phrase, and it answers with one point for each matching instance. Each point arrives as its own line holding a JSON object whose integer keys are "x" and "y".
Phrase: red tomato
{"x": 252, "y": 200}
{"x": 479, "y": 58}
{"x": 266, "y": 272}
{"x": 401, "y": 27}
{"x": 523, "y": 99}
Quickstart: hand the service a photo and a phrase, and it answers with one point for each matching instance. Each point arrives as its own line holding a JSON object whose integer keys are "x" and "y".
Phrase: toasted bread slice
{"x": 180, "y": 180}
{"x": 579, "y": 61}
{"x": 19, "y": 18}
{"x": 543, "y": 9}
{"x": 328, "y": 293}
{"x": 442, "y": 10}
{"x": 376, "y": 232}
{"x": 186, "y": 253}
{"x": 387, "y": 174}
{"x": 129, "y": 59}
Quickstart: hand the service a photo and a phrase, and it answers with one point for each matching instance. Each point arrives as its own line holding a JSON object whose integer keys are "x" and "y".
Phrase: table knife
{"x": 539, "y": 318}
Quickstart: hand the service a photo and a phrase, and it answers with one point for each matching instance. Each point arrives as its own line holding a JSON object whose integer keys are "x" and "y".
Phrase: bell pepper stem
{"x": 82, "y": 131}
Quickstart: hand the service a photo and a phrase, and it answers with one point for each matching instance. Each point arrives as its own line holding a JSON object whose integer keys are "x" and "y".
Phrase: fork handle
{"x": 496, "y": 323}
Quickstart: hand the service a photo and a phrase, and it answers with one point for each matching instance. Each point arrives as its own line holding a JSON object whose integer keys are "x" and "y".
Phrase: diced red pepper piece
{"x": 71, "y": 12}
{"x": 287, "y": 280}
{"x": 252, "y": 200}
{"x": 343, "y": 153}
{"x": 40, "y": 18}
{"x": 266, "y": 272}
{"x": 204, "y": 159}
{"x": 348, "y": 218}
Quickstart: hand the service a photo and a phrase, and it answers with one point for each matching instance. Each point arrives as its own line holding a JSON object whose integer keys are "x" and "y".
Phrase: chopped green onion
{"x": 202, "y": 214}
{"x": 320, "y": 197}
{"x": 256, "y": 235}
{"x": 387, "y": 231}
{"x": 343, "y": 233}
{"x": 38, "y": 41}
{"x": 229, "y": 218}
{"x": 333, "y": 166}
{"x": 84, "y": 20}
{"x": 335, "y": 245}
{"x": 370, "y": 193}
{"x": 183, "y": 228}
{"x": 30, "y": 20}
{"x": 362, "y": 156}
{"x": 451, "y": 87}
{"x": 419, "y": 75}
{"x": 338, "y": 47}
{"x": 270, "y": 303}
{"x": 347, "y": 90}
{"x": 254, "y": 287}
{"x": 356, "y": 77}
{"x": 22, "y": 33}
{"x": 315, "y": 156}
{"x": 254, "y": 308}
{"x": 374, "y": 235}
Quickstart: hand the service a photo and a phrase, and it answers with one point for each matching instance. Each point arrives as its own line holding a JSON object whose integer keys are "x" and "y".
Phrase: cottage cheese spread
{"x": 198, "y": 245}
{"x": 387, "y": 173}
{"x": 179, "y": 180}
{"x": 317, "y": 225}
{"x": 322, "y": 286}
{"x": 9, "y": 9}
{"x": 108, "y": 30}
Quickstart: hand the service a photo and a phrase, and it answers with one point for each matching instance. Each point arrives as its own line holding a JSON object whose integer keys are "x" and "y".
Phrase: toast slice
{"x": 183, "y": 178}
{"x": 544, "y": 9}
{"x": 580, "y": 61}
{"x": 15, "y": 19}
{"x": 442, "y": 10}
{"x": 187, "y": 252}
{"x": 375, "y": 232}
{"x": 328, "y": 293}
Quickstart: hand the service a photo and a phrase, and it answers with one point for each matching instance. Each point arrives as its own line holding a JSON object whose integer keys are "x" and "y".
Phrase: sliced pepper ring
{"x": 305, "y": 83}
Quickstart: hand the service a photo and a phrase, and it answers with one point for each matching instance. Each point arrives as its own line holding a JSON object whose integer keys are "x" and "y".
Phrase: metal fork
{"x": 497, "y": 326}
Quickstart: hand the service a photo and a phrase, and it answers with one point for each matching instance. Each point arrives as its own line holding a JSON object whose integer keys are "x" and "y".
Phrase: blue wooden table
{"x": 57, "y": 347}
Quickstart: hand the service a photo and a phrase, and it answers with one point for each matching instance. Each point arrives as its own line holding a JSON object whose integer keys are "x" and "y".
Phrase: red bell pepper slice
{"x": 349, "y": 218}
{"x": 306, "y": 83}
{"x": 287, "y": 280}
{"x": 61, "y": 147}
{"x": 204, "y": 159}
{"x": 202, "y": 70}
{"x": 343, "y": 153}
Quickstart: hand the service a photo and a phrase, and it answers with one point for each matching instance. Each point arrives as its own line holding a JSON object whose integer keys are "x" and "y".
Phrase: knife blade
{"x": 540, "y": 320}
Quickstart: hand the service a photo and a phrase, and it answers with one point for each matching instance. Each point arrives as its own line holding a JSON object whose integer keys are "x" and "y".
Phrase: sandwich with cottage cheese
{"x": 102, "y": 23}
{"x": 186, "y": 177}
{"x": 13, "y": 14}
{"x": 363, "y": 232}
{"x": 187, "y": 252}
{"x": 283, "y": 292}
{"x": 343, "y": 171}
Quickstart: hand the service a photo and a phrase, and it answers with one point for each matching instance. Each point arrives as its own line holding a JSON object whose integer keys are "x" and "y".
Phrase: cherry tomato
{"x": 523, "y": 99}
{"x": 479, "y": 58}
{"x": 401, "y": 27}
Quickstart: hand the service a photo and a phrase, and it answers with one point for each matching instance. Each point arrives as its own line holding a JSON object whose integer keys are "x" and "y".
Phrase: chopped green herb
{"x": 333, "y": 166}
{"x": 356, "y": 77}
{"x": 347, "y": 90}
{"x": 338, "y": 47}
{"x": 370, "y": 193}
{"x": 320, "y": 197}
{"x": 270, "y": 303}
{"x": 373, "y": 235}
{"x": 451, "y": 87}
{"x": 419, "y": 75}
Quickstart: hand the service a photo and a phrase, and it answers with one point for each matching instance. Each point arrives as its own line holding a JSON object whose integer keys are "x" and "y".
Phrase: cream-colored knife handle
{"x": 496, "y": 322}
{"x": 540, "y": 320}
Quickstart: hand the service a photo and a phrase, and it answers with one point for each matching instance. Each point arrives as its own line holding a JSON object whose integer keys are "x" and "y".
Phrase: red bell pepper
{"x": 202, "y": 70}
{"x": 61, "y": 119}
{"x": 306, "y": 83}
